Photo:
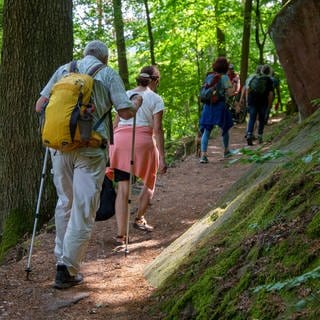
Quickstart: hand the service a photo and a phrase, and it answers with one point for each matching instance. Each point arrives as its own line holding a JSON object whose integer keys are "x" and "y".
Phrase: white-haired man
{"x": 78, "y": 174}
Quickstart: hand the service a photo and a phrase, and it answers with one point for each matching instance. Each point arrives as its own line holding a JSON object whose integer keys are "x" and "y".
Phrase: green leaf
{"x": 300, "y": 305}
{"x": 307, "y": 159}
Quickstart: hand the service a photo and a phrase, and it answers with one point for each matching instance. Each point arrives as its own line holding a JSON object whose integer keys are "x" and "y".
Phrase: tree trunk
{"x": 121, "y": 44}
{"x": 100, "y": 16}
{"x": 221, "y": 38}
{"x": 150, "y": 33}
{"x": 245, "y": 41}
{"x": 221, "y": 43}
{"x": 295, "y": 32}
{"x": 259, "y": 32}
{"x": 37, "y": 38}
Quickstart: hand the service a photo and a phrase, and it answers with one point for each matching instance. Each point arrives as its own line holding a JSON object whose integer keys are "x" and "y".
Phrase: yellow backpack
{"x": 68, "y": 119}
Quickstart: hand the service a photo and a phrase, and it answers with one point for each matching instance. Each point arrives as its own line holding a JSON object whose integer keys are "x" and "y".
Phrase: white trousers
{"x": 78, "y": 180}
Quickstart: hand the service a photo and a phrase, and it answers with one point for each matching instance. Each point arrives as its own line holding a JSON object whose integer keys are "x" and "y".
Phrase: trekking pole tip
{"x": 28, "y": 271}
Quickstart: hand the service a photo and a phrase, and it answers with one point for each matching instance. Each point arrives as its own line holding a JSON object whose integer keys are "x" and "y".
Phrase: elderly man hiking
{"x": 79, "y": 173}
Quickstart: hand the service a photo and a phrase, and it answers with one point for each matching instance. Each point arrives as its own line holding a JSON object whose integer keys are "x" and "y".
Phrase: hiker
{"x": 277, "y": 95}
{"x": 244, "y": 92}
{"x": 215, "y": 111}
{"x": 233, "y": 101}
{"x": 259, "y": 98}
{"x": 78, "y": 174}
{"x": 243, "y": 102}
{"x": 235, "y": 80}
{"x": 149, "y": 155}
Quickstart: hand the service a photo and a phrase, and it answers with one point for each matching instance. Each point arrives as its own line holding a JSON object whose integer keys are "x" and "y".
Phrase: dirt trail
{"x": 114, "y": 286}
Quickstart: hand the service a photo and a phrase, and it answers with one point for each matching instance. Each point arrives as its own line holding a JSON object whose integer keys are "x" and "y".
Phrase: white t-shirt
{"x": 152, "y": 103}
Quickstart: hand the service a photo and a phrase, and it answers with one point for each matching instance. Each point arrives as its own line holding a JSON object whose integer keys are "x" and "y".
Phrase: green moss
{"x": 281, "y": 128}
{"x": 313, "y": 228}
{"x": 15, "y": 226}
{"x": 254, "y": 253}
{"x": 270, "y": 239}
{"x": 292, "y": 256}
{"x": 266, "y": 306}
{"x": 226, "y": 261}
{"x": 228, "y": 307}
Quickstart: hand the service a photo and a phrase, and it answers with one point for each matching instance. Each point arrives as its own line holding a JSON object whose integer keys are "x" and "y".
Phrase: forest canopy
{"x": 186, "y": 36}
{"x": 183, "y": 38}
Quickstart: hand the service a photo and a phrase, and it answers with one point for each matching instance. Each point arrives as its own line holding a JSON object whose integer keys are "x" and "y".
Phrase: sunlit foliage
{"x": 185, "y": 40}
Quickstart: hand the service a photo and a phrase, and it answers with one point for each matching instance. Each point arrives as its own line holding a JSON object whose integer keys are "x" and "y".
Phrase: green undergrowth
{"x": 264, "y": 261}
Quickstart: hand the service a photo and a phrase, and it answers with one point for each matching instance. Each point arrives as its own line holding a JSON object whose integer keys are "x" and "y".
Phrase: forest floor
{"x": 114, "y": 286}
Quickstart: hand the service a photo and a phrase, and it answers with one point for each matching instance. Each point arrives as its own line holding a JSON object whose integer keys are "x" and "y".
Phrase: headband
{"x": 145, "y": 75}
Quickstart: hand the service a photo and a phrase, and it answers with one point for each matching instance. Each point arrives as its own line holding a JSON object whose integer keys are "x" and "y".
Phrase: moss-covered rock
{"x": 256, "y": 255}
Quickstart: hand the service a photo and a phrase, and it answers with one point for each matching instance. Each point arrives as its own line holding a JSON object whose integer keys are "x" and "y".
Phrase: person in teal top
{"x": 216, "y": 113}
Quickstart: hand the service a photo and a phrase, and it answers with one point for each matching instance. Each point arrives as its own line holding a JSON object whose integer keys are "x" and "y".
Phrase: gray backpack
{"x": 258, "y": 85}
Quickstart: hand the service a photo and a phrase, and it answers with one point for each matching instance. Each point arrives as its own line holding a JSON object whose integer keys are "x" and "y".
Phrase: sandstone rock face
{"x": 295, "y": 32}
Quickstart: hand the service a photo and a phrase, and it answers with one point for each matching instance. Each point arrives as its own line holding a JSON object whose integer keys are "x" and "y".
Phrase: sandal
{"x": 119, "y": 240}
{"x": 141, "y": 224}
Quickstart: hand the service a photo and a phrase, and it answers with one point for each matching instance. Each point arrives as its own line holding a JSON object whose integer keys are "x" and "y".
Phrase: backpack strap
{"x": 215, "y": 79}
{"x": 73, "y": 66}
{"x": 98, "y": 123}
{"x": 95, "y": 69}
{"x": 254, "y": 77}
{"x": 92, "y": 72}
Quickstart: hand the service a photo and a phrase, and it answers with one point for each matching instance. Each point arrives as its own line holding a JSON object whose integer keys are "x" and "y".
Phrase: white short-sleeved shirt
{"x": 152, "y": 103}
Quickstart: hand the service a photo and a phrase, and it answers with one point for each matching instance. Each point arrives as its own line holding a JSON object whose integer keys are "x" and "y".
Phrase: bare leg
{"x": 144, "y": 200}
{"x": 122, "y": 207}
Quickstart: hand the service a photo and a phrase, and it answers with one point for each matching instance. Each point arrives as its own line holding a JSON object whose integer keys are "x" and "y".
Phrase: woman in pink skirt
{"x": 149, "y": 156}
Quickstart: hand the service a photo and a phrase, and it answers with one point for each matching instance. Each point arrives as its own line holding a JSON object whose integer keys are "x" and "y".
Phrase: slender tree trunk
{"x": 150, "y": 33}
{"x": 198, "y": 58}
{"x": 121, "y": 44}
{"x": 221, "y": 38}
{"x": 99, "y": 15}
{"x": 245, "y": 41}
{"x": 1, "y": 22}
{"x": 259, "y": 30}
{"x": 37, "y": 38}
{"x": 221, "y": 42}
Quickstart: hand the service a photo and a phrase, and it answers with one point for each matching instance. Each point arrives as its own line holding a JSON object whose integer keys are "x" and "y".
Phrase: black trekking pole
{"x": 131, "y": 179}
{"x": 28, "y": 268}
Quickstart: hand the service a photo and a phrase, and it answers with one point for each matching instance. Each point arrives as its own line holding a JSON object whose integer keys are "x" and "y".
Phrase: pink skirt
{"x": 146, "y": 155}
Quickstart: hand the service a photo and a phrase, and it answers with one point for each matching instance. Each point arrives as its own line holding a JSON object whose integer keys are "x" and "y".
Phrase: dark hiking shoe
{"x": 64, "y": 280}
{"x": 250, "y": 140}
{"x": 204, "y": 159}
{"x": 227, "y": 154}
{"x": 260, "y": 138}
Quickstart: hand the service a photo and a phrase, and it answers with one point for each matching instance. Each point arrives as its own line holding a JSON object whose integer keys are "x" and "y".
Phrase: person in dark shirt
{"x": 259, "y": 103}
